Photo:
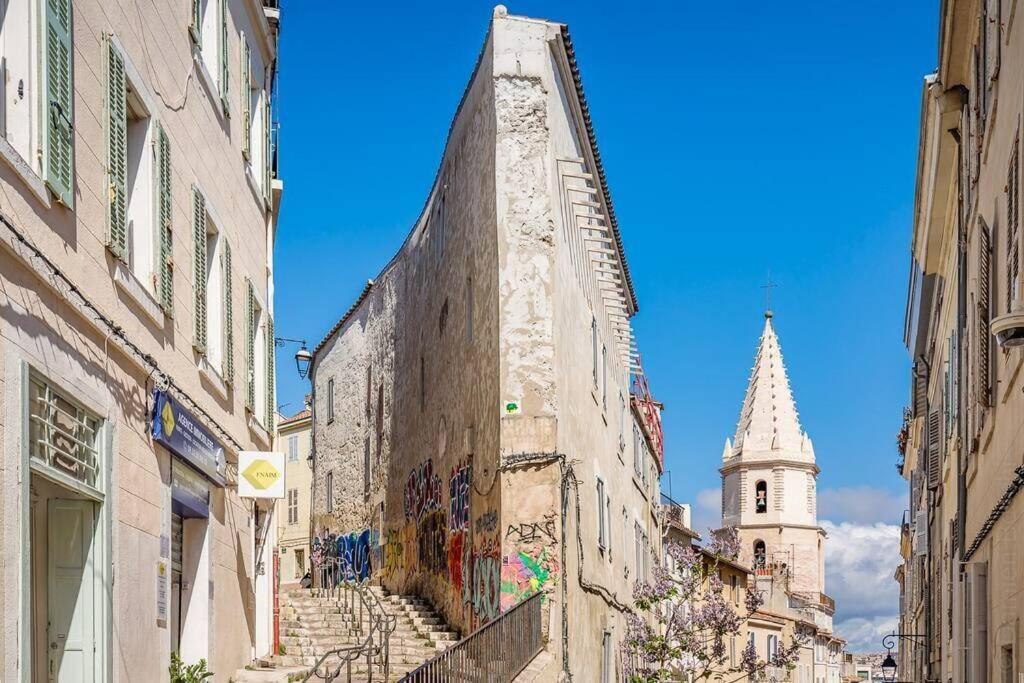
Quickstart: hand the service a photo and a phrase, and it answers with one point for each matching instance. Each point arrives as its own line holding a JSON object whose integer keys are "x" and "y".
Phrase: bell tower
{"x": 769, "y": 476}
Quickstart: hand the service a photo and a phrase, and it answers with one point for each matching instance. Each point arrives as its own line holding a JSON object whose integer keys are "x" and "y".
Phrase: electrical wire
{"x": 114, "y": 330}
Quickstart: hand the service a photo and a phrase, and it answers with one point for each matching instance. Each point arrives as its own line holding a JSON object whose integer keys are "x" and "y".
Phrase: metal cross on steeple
{"x": 768, "y": 287}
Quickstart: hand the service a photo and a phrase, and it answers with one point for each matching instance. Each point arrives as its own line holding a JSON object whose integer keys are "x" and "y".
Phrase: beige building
{"x": 137, "y": 212}
{"x": 769, "y": 493}
{"x": 294, "y": 439}
{"x": 962, "y": 576}
{"x": 477, "y": 408}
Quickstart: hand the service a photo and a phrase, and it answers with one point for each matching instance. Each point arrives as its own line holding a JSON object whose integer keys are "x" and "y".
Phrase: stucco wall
{"x": 38, "y": 329}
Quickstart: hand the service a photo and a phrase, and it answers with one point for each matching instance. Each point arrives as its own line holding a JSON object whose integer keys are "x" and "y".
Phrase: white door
{"x": 71, "y": 583}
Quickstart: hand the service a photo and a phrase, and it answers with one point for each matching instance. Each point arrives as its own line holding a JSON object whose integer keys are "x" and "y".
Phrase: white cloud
{"x": 707, "y": 511}
{"x": 865, "y": 635}
{"x": 860, "y": 560}
{"x": 861, "y": 504}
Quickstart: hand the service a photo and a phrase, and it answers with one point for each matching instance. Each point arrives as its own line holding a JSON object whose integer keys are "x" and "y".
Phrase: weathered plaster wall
{"x": 432, "y": 319}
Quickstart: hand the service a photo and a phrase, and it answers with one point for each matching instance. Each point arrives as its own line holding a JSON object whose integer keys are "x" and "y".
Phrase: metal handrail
{"x": 496, "y": 652}
{"x": 358, "y": 601}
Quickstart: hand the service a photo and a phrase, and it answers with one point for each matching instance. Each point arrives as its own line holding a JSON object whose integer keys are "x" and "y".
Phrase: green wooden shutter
{"x": 199, "y": 266}
{"x": 166, "y": 274}
{"x": 195, "y": 27}
{"x": 243, "y": 92}
{"x": 229, "y": 327}
{"x": 266, "y": 143}
{"x": 117, "y": 152}
{"x": 57, "y": 159}
{"x": 269, "y": 345}
{"x": 250, "y": 346}
{"x": 224, "y": 74}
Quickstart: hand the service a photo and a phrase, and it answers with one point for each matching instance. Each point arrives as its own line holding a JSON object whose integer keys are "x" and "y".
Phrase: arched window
{"x": 759, "y": 554}
{"x": 761, "y": 496}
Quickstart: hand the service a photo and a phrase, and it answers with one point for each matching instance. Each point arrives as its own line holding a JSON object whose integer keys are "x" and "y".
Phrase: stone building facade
{"x": 137, "y": 219}
{"x": 475, "y": 407}
{"x": 962, "y": 581}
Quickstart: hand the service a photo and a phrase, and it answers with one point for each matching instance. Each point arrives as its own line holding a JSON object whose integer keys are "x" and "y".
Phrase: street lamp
{"x": 889, "y": 668}
{"x": 889, "y": 642}
{"x": 303, "y": 357}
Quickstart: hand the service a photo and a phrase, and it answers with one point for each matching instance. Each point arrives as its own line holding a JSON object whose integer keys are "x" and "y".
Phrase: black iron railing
{"x": 371, "y": 623}
{"x": 494, "y": 653}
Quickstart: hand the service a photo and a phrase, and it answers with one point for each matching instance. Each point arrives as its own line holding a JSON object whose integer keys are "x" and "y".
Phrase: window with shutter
{"x": 222, "y": 54}
{"x": 136, "y": 152}
{"x": 196, "y": 22}
{"x": 250, "y": 346}
{"x": 602, "y": 540}
{"x": 229, "y": 317}
{"x": 267, "y": 150}
{"x": 935, "y": 437}
{"x": 920, "y": 389}
{"x": 269, "y": 379}
{"x": 199, "y": 273}
{"x": 117, "y": 153}
{"x": 245, "y": 93}
{"x": 58, "y": 163}
{"x": 166, "y": 265}
{"x": 984, "y": 317}
{"x": 1012, "y": 229}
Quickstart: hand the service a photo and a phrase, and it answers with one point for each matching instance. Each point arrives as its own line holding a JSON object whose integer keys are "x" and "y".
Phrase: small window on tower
{"x": 761, "y": 497}
{"x": 759, "y": 555}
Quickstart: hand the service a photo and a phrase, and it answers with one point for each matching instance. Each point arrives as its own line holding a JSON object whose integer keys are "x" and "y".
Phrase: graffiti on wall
{"x": 432, "y": 537}
{"x": 422, "y": 491}
{"x": 532, "y": 532}
{"x": 458, "y": 542}
{"x": 342, "y": 557}
{"x": 486, "y": 522}
{"x": 523, "y": 574}
{"x": 394, "y": 553}
{"x": 486, "y": 587}
{"x": 458, "y": 501}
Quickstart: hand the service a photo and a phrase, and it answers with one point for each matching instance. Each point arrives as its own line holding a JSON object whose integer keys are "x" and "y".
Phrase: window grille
{"x": 62, "y": 434}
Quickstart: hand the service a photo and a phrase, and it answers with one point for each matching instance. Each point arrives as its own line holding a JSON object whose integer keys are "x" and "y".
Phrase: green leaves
{"x": 194, "y": 673}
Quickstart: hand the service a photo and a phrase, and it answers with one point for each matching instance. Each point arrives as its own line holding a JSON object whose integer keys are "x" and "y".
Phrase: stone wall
{"x": 428, "y": 329}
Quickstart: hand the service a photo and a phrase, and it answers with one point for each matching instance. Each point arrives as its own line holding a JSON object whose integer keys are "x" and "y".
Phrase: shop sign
{"x": 261, "y": 475}
{"x": 182, "y": 434}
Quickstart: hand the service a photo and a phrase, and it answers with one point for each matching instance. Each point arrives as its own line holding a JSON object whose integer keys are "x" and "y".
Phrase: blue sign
{"x": 182, "y": 434}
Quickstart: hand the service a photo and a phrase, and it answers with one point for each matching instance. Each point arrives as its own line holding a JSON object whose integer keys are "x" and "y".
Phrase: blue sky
{"x": 738, "y": 138}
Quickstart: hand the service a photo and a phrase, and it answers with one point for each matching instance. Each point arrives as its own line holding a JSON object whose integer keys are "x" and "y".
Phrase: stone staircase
{"x": 312, "y": 624}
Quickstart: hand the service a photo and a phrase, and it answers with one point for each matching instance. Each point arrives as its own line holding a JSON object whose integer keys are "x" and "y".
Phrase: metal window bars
{"x": 62, "y": 434}
{"x": 372, "y": 624}
{"x": 494, "y": 653}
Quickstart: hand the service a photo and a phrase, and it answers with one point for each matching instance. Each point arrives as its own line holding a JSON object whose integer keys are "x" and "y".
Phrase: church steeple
{"x": 769, "y": 424}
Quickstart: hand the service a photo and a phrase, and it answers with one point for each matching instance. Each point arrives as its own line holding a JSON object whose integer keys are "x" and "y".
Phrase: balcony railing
{"x": 494, "y": 653}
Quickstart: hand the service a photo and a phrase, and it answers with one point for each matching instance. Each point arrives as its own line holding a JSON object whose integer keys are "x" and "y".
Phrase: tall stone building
{"x": 962, "y": 579}
{"x": 478, "y": 407}
{"x": 138, "y": 203}
{"x": 769, "y": 494}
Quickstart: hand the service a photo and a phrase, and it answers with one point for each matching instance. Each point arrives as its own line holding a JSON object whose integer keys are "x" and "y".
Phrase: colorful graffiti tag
{"x": 422, "y": 491}
{"x": 432, "y": 536}
{"x": 486, "y": 587}
{"x": 458, "y": 501}
{"x": 523, "y": 575}
{"x": 344, "y": 557}
{"x": 457, "y": 543}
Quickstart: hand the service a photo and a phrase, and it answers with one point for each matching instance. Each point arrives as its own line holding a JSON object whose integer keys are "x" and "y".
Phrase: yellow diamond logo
{"x": 167, "y": 417}
{"x": 261, "y": 474}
